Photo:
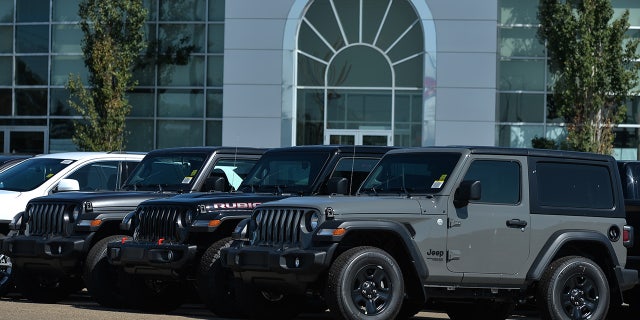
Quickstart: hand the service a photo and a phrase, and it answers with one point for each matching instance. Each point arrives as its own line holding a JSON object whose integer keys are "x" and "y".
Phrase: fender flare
{"x": 404, "y": 232}
{"x": 556, "y": 243}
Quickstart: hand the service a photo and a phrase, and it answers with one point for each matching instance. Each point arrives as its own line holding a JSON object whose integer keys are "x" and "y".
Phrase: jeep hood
{"x": 113, "y": 200}
{"x": 357, "y": 204}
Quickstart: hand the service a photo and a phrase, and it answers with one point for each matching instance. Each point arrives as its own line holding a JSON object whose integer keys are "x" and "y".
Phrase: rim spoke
{"x": 370, "y": 306}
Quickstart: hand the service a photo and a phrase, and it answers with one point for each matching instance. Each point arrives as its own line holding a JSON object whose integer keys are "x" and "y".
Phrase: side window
{"x": 126, "y": 168}
{"x": 574, "y": 185}
{"x": 355, "y": 170}
{"x": 96, "y": 176}
{"x": 500, "y": 180}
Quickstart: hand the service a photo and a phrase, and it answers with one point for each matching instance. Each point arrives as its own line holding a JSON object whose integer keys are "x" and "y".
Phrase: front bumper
{"x": 60, "y": 255}
{"x": 269, "y": 267}
{"x": 150, "y": 258}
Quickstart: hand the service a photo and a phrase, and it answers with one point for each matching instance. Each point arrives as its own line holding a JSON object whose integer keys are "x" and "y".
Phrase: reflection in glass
{"x": 520, "y": 42}
{"x": 181, "y": 103}
{"x": 142, "y": 102}
{"x": 310, "y": 117}
{"x": 6, "y": 39}
{"x": 5, "y": 102}
{"x": 214, "y": 103}
{"x": 185, "y": 10}
{"x": 188, "y": 75}
{"x": 59, "y": 99}
{"x": 139, "y": 135}
{"x": 65, "y": 10}
{"x": 522, "y": 75}
{"x": 520, "y": 107}
{"x": 31, "y": 102}
{"x": 216, "y": 38}
{"x": 62, "y": 66}
{"x": 66, "y": 38}
{"x": 6, "y": 11}
{"x": 362, "y": 110}
{"x": 214, "y": 133}
{"x": 32, "y": 11}
{"x": 216, "y": 10}
{"x": 31, "y": 70}
{"x": 215, "y": 67}
{"x": 6, "y": 65}
{"x": 32, "y": 38}
{"x": 179, "y": 133}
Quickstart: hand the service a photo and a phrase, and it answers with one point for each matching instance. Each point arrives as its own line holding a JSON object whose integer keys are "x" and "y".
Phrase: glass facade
{"x": 360, "y": 69}
{"x": 173, "y": 105}
{"x": 524, "y": 91}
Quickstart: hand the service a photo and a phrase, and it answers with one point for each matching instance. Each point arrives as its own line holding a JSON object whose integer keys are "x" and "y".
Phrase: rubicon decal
{"x": 236, "y": 205}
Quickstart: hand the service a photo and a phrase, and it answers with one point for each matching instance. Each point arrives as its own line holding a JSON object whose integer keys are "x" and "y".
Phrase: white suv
{"x": 70, "y": 171}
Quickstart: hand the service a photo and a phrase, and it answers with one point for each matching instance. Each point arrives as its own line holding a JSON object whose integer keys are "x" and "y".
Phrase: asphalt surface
{"x": 80, "y": 306}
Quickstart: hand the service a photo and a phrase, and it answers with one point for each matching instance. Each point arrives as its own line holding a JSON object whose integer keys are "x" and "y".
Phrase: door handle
{"x": 516, "y": 223}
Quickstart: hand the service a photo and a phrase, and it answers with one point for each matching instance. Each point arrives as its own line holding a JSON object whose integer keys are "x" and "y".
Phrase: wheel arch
{"x": 588, "y": 244}
{"x": 396, "y": 239}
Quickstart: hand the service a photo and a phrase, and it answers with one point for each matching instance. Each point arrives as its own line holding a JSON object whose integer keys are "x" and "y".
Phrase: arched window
{"x": 360, "y": 66}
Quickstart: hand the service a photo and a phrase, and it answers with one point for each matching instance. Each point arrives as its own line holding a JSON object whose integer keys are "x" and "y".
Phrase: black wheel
{"x": 574, "y": 288}
{"x": 216, "y": 285}
{"x": 487, "y": 310}
{"x": 6, "y": 279}
{"x": 365, "y": 283}
{"x": 44, "y": 288}
{"x": 103, "y": 281}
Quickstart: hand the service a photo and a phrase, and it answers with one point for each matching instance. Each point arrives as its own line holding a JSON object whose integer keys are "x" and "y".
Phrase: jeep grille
{"x": 161, "y": 222}
{"x": 278, "y": 226}
{"x": 49, "y": 219}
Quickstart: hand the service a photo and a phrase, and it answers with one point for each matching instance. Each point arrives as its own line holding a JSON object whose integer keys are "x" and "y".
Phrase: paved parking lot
{"x": 82, "y": 307}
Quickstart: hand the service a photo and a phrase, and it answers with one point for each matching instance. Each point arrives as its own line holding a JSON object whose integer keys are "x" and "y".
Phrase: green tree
{"x": 593, "y": 68}
{"x": 113, "y": 39}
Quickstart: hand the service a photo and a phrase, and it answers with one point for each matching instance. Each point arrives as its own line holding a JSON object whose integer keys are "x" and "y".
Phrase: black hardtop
{"x": 530, "y": 152}
{"x": 348, "y": 149}
{"x": 210, "y": 150}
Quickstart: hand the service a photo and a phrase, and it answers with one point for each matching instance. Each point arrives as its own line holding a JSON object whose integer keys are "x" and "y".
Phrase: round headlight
{"x": 313, "y": 220}
{"x": 75, "y": 214}
{"x": 188, "y": 216}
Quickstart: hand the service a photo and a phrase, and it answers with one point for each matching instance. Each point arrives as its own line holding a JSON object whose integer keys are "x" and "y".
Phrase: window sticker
{"x": 66, "y": 161}
{"x": 49, "y": 175}
{"x": 193, "y": 173}
{"x": 438, "y": 183}
{"x": 187, "y": 180}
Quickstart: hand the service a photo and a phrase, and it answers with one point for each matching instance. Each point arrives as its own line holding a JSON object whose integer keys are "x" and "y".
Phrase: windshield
{"x": 411, "y": 173}
{"x": 291, "y": 172}
{"x": 166, "y": 172}
{"x": 31, "y": 173}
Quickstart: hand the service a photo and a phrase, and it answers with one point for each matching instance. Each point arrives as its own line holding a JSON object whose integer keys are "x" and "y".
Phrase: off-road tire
{"x": 6, "y": 278}
{"x": 44, "y": 288}
{"x": 573, "y": 287}
{"x": 102, "y": 280}
{"x": 374, "y": 275}
{"x": 216, "y": 285}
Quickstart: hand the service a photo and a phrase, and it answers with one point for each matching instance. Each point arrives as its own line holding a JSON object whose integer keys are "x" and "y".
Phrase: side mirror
{"x": 468, "y": 190}
{"x": 338, "y": 185}
{"x": 68, "y": 185}
{"x": 215, "y": 183}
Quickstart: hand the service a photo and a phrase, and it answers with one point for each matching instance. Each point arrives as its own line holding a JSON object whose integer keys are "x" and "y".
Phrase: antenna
{"x": 353, "y": 163}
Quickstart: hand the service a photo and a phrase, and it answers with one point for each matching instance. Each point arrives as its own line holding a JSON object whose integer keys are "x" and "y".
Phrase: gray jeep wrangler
{"x": 472, "y": 231}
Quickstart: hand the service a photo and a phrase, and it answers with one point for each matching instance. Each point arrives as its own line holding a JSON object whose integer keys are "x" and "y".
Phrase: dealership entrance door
{"x": 24, "y": 140}
{"x": 359, "y": 137}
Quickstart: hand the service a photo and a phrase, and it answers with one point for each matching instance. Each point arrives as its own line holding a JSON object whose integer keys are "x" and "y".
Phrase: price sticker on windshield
{"x": 438, "y": 183}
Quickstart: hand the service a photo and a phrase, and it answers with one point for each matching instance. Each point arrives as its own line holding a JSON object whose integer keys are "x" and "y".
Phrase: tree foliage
{"x": 113, "y": 39}
{"x": 593, "y": 68}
